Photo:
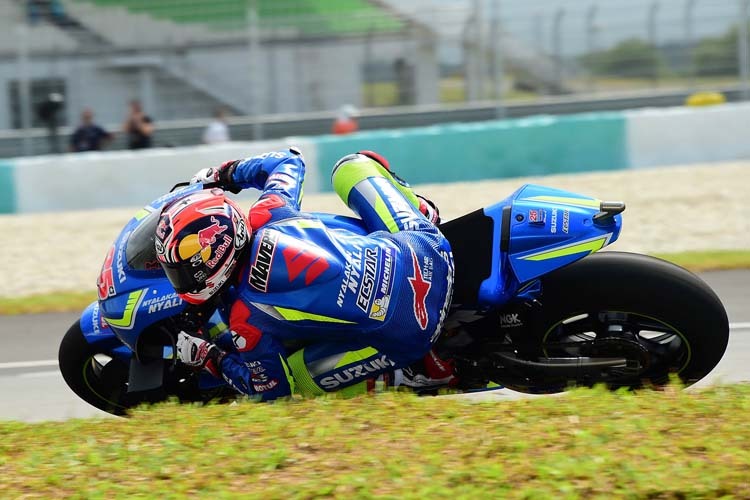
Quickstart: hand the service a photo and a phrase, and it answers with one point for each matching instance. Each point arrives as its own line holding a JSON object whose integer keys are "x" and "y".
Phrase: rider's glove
{"x": 221, "y": 176}
{"x": 198, "y": 353}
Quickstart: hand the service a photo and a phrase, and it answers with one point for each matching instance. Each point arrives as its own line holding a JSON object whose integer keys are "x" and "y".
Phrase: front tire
{"x": 662, "y": 318}
{"x": 95, "y": 377}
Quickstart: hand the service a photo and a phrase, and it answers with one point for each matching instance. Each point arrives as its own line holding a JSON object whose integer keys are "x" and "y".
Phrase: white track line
{"x": 53, "y": 362}
{"x": 53, "y": 373}
{"x": 29, "y": 364}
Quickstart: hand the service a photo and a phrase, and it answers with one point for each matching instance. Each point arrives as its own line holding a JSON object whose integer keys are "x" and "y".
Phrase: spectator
{"x": 88, "y": 136}
{"x": 345, "y": 122}
{"x": 217, "y": 131}
{"x": 139, "y": 127}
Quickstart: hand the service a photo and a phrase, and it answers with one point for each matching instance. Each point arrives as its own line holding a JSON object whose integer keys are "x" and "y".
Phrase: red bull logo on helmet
{"x": 207, "y": 236}
{"x": 201, "y": 246}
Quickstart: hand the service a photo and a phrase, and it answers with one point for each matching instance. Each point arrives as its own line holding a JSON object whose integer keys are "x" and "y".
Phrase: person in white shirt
{"x": 217, "y": 131}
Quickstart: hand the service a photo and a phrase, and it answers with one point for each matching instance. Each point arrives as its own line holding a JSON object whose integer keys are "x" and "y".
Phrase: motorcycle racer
{"x": 364, "y": 306}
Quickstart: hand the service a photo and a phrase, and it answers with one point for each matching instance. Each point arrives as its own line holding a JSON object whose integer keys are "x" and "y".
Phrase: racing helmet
{"x": 199, "y": 240}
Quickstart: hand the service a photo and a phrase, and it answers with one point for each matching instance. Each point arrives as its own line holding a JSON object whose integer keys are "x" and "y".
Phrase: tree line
{"x": 637, "y": 58}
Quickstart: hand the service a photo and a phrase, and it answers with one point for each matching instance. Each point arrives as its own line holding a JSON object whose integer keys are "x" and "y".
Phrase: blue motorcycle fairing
{"x": 98, "y": 333}
{"x": 500, "y": 285}
{"x": 95, "y": 329}
{"x": 551, "y": 228}
{"x": 132, "y": 313}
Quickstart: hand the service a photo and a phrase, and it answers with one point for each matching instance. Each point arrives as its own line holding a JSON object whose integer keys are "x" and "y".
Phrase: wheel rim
{"x": 627, "y": 334}
{"x": 95, "y": 371}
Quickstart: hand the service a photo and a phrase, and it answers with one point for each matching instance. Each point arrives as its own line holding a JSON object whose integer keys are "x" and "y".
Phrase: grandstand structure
{"x": 284, "y": 67}
{"x": 184, "y": 58}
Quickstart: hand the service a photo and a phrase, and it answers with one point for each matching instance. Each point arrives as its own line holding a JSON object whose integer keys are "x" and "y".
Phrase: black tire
{"x": 101, "y": 385}
{"x": 635, "y": 290}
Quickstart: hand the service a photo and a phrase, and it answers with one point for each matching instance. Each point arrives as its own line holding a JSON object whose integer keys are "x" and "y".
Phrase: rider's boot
{"x": 426, "y": 207}
{"x": 429, "y": 209}
{"x": 430, "y": 372}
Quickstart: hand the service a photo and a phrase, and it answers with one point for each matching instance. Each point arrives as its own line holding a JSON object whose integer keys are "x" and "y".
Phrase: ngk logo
{"x": 509, "y": 320}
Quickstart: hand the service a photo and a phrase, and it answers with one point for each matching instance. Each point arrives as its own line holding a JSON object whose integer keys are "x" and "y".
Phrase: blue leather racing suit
{"x": 363, "y": 305}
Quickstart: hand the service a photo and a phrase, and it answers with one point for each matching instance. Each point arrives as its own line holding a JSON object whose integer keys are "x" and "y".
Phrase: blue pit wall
{"x": 539, "y": 145}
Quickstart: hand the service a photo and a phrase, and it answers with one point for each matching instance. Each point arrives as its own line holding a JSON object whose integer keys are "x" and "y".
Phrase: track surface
{"x": 32, "y": 389}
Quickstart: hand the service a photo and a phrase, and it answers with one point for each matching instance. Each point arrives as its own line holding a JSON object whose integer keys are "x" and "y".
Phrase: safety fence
{"x": 66, "y": 62}
{"x": 540, "y": 145}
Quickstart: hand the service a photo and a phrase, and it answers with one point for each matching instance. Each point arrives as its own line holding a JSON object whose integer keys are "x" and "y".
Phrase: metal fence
{"x": 247, "y": 59}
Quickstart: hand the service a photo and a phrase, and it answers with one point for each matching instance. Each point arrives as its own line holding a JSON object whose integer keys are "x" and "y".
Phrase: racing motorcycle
{"x": 534, "y": 308}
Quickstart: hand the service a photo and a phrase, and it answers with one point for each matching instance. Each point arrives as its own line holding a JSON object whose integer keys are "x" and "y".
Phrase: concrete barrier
{"x": 672, "y": 136}
{"x": 118, "y": 178}
{"x": 535, "y": 146}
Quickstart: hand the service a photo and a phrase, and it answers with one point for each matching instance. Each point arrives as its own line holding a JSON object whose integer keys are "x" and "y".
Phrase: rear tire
{"x": 631, "y": 305}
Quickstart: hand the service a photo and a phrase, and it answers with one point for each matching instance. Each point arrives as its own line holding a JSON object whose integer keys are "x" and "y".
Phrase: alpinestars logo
{"x": 421, "y": 288}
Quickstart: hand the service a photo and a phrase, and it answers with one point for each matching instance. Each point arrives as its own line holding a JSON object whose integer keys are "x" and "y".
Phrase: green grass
{"x": 76, "y": 301}
{"x": 710, "y": 260}
{"x": 591, "y": 443}
{"x": 46, "y": 303}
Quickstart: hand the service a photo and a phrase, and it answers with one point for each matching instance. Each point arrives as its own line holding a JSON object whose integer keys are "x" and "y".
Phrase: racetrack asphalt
{"x": 32, "y": 389}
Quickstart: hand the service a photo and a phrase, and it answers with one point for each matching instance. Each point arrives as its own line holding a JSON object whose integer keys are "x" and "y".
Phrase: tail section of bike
{"x": 531, "y": 313}
{"x": 534, "y": 231}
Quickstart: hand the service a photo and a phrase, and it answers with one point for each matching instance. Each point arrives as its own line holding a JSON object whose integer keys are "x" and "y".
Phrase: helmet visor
{"x": 186, "y": 277}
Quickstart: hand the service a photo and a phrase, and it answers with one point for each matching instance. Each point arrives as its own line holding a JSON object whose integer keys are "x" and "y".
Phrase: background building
{"x": 283, "y": 67}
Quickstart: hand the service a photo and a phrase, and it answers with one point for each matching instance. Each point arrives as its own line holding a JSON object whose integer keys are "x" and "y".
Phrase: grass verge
{"x": 46, "y": 303}
{"x": 710, "y": 260}
{"x": 591, "y": 443}
{"x": 76, "y": 301}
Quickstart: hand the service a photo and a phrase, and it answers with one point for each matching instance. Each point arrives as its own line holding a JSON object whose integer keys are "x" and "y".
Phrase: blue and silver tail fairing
{"x": 542, "y": 229}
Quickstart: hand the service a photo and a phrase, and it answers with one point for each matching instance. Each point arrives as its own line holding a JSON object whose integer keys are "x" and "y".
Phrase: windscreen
{"x": 140, "y": 253}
